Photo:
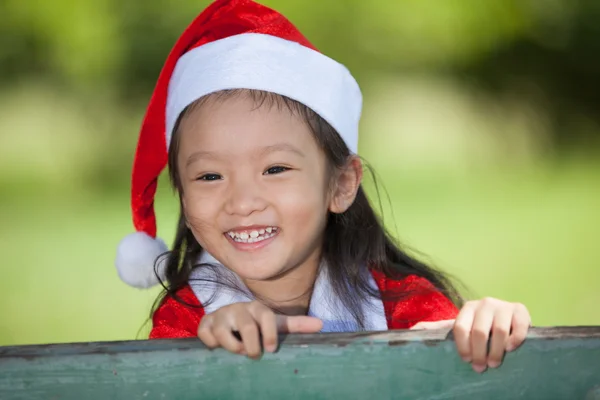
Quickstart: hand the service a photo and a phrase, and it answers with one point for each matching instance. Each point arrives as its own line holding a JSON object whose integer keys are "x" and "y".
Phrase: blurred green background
{"x": 481, "y": 120}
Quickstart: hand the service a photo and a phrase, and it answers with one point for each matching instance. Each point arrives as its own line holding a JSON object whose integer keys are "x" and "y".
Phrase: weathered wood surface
{"x": 554, "y": 363}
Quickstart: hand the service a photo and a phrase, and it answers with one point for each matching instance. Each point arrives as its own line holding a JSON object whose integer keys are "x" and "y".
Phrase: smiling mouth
{"x": 253, "y": 235}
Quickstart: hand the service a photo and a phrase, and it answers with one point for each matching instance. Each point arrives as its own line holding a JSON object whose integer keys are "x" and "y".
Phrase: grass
{"x": 521, "y": 235}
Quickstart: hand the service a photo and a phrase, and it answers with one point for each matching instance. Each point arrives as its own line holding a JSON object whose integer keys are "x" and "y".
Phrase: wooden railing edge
{"x": 393, "y": 337}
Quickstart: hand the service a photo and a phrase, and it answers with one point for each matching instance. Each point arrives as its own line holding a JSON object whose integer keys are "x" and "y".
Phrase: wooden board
{"x": 554, "y": 363}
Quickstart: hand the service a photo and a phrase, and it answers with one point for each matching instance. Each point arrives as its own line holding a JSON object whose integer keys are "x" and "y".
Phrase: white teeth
{"x": 254, "y": 240}
{"x": 253, "y": 236}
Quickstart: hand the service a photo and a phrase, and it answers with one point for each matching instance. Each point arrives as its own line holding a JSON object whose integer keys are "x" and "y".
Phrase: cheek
{"x": 201, "y": 212}
{"x": 304, "y": 205}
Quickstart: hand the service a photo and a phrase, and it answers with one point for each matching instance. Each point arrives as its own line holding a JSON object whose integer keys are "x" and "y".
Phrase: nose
{"x": 244, "y": 197}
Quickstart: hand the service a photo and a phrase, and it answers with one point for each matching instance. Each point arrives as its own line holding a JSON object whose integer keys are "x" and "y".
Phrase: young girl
{"x": 260, "y": 134}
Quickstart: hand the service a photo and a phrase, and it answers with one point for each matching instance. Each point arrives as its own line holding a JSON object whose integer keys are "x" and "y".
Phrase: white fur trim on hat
{"x": 269, "y": 63}
{"x": 137, "y": 255}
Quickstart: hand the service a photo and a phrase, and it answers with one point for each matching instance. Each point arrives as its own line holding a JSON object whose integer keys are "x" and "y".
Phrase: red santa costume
{"x": 239, "y": 44}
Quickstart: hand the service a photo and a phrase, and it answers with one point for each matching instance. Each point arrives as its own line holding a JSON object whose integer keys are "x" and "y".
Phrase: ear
{"x": 346, "y": 184}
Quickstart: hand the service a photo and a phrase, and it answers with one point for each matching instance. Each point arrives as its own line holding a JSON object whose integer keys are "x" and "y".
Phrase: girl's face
{"x": 255, "y": 186}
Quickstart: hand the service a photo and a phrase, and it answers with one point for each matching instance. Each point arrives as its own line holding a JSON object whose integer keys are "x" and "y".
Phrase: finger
{"x": 431, "y": 325}
{"x": 224, "y": 335}
{"x": 480, "y": 333}
{"x": 268, "y": 328}
{"x": 521, "y": 321}
{"x": 205, "y": 332}
{"x": 462, "y": 330}
{"x": 499, "y": 339}
{"x": 248, "y": 329}
{"x": 298, "y": 324}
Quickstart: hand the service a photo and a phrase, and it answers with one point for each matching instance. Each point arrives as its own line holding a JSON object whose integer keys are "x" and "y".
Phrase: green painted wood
{"x": 554, "y": 363}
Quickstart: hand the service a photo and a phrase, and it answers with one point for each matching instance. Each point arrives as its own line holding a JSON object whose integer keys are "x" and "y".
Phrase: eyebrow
{"x": 198, "y": 155}
{"x": 263, "y": 152}
{"x": 282, "y": 147}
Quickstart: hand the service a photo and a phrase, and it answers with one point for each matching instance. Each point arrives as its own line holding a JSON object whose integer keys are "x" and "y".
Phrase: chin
{"x": 251, "y": 272}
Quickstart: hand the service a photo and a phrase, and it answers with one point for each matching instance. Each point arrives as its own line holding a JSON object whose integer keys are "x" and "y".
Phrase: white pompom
{"x": 137, "y": 254}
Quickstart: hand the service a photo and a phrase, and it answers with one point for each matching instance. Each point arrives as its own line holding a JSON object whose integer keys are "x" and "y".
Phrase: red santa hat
{"x": 233, "y": 44}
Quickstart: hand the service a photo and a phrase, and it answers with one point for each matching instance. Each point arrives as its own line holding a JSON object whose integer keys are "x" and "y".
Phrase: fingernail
{"x": 466, "y": 359}
{"x": 493, "y": 364}
{"x": 271, "y": 348}
{"x": 479, "y": 368}
{"x": 510, "y": 347}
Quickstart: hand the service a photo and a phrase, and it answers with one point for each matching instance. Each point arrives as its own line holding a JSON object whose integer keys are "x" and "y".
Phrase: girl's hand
{"x": 507, "y": 323}
{"x": 251, "y": 320}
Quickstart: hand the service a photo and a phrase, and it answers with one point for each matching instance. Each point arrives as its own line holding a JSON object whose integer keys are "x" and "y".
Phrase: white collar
{"x": 323, "y": 304}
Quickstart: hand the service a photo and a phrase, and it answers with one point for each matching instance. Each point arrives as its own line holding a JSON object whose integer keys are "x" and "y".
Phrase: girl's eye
{"x": 209, "y": 177}
{"x": 276, "y": 170}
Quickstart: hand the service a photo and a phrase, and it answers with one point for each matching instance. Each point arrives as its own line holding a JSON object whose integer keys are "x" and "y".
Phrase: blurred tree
{"x": 555, "y": 63}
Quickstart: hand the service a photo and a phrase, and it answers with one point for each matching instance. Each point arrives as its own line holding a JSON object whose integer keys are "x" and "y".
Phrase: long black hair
{"x": 353, "y": 240}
